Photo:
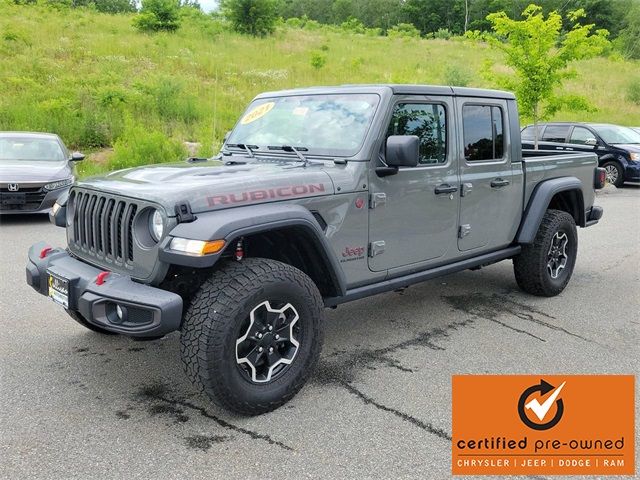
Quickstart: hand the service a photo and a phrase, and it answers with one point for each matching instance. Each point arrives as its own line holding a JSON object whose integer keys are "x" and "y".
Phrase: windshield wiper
{"x": 247, "y": 148}
{"x": 291, "y": 148}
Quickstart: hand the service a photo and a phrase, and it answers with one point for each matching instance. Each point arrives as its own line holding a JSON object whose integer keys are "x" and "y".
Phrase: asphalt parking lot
{"x": 79, "y": 405}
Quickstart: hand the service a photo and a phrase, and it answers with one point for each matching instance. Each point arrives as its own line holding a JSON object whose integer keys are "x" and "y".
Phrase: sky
{"x": 208, "y": 5}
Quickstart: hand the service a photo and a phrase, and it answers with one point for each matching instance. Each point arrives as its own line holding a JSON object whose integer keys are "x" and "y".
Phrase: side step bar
{"x": 413, "y": 278}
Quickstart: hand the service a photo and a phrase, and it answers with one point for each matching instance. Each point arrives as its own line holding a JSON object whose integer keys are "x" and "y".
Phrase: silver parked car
{"x": 35, "y": 169}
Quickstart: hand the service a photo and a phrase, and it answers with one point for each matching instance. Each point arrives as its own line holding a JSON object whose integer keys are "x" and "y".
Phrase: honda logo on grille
{"x": 13, "y": 187}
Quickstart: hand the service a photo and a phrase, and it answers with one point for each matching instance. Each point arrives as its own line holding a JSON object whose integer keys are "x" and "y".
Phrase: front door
{"x": 490, "y": 203}
{"x": 413, "y": 214}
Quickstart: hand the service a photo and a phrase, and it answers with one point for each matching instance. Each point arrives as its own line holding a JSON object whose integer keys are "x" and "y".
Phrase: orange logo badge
{"x": 543, "y": 425}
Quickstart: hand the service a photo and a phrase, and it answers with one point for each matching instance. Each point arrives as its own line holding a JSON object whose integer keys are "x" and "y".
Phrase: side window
{"x": 483, "y": 132}
{"x": 556, "y": 133}
{"x": 529, "y": 133}
{"x": 428, "y": 122}
{"x": 580, "y": 135}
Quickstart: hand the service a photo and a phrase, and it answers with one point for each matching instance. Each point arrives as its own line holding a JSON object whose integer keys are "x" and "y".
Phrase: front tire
{"x": 614, "y": 173}
{"x": 544, "y": 267}
{"x": 252, "y": 335}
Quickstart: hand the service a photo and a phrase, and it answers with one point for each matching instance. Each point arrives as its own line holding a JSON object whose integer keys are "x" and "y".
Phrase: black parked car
{"x": 618, "y": 148}
{"x": 35, "y": 169}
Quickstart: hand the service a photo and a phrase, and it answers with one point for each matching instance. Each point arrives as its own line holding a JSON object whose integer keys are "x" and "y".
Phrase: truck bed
{"x": 541, "y": 165}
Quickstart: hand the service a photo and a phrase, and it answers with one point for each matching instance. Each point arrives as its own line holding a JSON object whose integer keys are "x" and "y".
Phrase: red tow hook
{"x": 100, "y": 279}
{"x": 45, "y": 251}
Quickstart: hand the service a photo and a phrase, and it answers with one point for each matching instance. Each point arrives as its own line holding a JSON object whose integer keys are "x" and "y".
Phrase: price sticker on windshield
{"x": 257, "y": 112}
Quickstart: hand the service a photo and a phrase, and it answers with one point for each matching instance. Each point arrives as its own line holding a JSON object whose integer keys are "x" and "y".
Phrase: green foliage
{"x": 442, "y": 34}
{"x": 540, "y": 54}
{"x": 318, "y": 60}
{"x": 91, "y": 77}
{"x": 633, "y": 91}
{"x": 456, "y": 76}
{"x": 115, "y": 6}
{"x": 158, "y": 15}
{"x": 253, "y": 17}
{"x": 403, "y": 30}
{"x": 139, "y": 146}
{"x": 353, "y": 25}
{"x": 629, "y": 39}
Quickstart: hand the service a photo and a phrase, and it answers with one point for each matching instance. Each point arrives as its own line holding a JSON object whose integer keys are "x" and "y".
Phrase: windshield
{"x": 614, "y": 134}
{"x": 30, "y": 149}
{"x": 324, "y": 124}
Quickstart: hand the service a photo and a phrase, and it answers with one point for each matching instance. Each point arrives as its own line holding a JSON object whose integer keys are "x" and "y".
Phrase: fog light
{"x": 119, "y": 312}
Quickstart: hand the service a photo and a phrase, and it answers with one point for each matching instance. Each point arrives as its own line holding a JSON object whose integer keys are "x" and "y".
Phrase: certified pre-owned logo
{"x": 13, "y": 187}
{"x": 541, "y": 410}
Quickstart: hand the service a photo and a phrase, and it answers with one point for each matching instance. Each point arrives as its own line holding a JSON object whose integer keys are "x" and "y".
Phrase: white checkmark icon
{"x": 542, "y": 410}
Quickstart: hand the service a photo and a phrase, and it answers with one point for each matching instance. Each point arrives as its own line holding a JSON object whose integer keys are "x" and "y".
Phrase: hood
{"x": 212, "y": 186}
{"x": 629, "y": 147}
{"x": 24, "y": 171}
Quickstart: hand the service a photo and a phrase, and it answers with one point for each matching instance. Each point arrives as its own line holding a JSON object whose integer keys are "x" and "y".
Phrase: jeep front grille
{"x": 103, "y": 225}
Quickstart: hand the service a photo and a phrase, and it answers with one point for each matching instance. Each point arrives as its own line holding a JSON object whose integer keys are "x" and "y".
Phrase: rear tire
{"x": 252, "y": 335}
{"x": 80, "y": 319}
{"x": 614, "y": 172}
{"x": 544, "y": 267}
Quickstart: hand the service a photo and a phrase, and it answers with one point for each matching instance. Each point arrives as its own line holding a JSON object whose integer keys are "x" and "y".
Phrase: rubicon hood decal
{"x": 215, "y": 186}
{"x": 264, "y": 195}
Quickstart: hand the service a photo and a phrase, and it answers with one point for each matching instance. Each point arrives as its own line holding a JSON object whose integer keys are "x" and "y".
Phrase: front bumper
{"x": 149, "y": 311}
{"x": 36, "y": 202}
{"x": 632, "y": 172}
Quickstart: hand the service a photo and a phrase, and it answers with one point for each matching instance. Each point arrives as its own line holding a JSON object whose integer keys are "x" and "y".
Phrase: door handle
{"x": 445, "y": 188}
{"x": 499, "y": 182}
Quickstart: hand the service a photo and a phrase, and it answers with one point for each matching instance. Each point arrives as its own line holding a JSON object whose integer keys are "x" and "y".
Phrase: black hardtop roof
{"x": 400, "y": 89}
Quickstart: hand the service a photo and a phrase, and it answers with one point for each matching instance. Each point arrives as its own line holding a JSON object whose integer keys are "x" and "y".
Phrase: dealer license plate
{"x": 59, "y": 290}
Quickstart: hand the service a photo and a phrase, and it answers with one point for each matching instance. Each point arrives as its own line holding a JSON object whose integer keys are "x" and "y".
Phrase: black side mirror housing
{"x": 77, "y": 157}
{"x": 402, "y": 150}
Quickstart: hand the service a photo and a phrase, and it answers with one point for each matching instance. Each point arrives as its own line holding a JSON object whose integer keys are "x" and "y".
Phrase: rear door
{"x": 554, "y": 137}
{"x": 490, "y": 203}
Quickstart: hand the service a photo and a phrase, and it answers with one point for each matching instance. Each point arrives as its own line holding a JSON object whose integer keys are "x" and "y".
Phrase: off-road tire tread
{"x": 213, "y": 307}
{"x": 529, "y": 267}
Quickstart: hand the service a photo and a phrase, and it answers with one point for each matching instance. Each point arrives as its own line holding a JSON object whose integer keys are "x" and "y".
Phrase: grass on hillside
{"x": 97, "y": 82}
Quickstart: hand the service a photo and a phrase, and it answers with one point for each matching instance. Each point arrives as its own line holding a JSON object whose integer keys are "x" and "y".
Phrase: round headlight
{"x": 156, "y": 225}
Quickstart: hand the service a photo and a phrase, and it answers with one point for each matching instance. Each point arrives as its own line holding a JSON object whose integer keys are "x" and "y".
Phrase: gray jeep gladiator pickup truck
{"x": 319, "y": 196}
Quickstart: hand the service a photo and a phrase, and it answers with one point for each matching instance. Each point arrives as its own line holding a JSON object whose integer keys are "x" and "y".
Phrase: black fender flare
{"x": 613, "y": 157}
{"x": 232, "y": 223}
{"x": 539, "y": 202}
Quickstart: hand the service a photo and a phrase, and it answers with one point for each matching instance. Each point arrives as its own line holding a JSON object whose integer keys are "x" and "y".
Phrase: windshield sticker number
{"x": 258, "y": 112}
{"x": 301, "y": 111}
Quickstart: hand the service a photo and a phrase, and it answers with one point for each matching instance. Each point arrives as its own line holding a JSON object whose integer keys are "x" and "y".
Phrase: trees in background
{"x": 457, "y": 16}
{"x": 158, "y": 15}
{"x": 255, "y": 17}
{"x": 539, "y": 54}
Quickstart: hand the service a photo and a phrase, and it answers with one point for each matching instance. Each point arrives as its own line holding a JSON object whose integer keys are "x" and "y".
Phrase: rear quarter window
{"x": 556, "y": 133}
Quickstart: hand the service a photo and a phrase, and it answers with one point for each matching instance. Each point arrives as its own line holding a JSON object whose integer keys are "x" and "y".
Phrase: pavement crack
{"x": 350, "y": 362}
{"x": 490, "y": 307}
{"x": 230, "y": 426}
{"x": 518, "y": 330}
{"x": 159, "y": 392}
{"x": 404, "y": 416}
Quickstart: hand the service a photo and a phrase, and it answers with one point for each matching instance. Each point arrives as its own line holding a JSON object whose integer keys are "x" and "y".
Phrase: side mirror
{"x": 403, "y": 150}
{"x": 76, "y": 157}
{"x": 591, "y": 141}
